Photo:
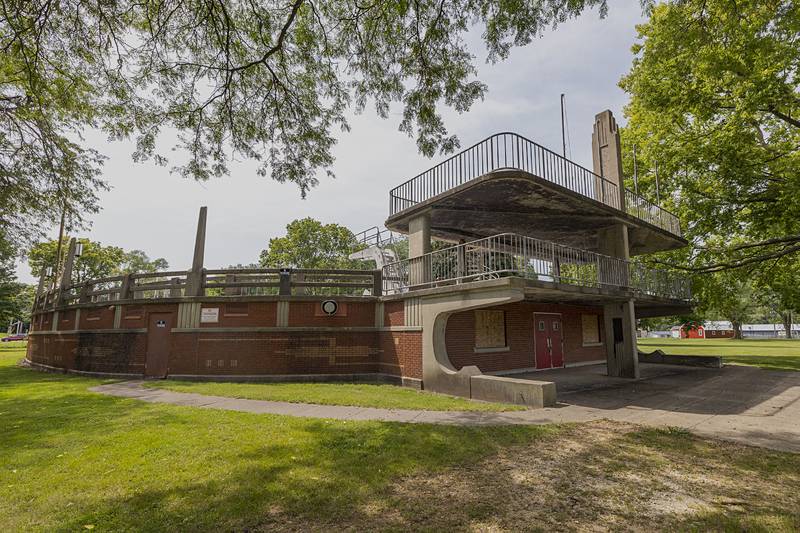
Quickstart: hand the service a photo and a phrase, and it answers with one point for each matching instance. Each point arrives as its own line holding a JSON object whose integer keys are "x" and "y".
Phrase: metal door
{"x": 548, "y": 340}
{"x": 159, "y": 326}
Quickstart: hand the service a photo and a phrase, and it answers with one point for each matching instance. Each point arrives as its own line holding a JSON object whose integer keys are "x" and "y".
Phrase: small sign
{"x": 161, "y": 323}
{"x": 209, "y": 315}
{"x": 329, "y": 307}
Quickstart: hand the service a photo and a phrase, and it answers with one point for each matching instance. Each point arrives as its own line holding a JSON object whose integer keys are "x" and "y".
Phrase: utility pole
{"x": 658, "y": 190}
{"x": 57, "y": 268}
{"x": 563, "y": 135}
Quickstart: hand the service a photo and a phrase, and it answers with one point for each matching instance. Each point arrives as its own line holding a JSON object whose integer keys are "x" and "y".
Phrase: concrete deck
{"x": 742, "y": 404}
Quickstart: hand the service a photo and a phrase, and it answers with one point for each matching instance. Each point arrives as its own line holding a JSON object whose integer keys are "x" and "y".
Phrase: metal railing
{"x": 649, "y": 212}
{"x": 213, "y": 283}
{"x": 508, "y": 254}
{"x": 510, "y": 151}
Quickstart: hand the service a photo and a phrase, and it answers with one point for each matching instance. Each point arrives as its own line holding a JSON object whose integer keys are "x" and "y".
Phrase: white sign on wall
{"x": 209, "y": 314}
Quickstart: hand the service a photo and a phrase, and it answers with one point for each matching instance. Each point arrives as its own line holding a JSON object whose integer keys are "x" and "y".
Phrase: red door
{"x": 548, "y": 340}
{"x": 156, "y": 362}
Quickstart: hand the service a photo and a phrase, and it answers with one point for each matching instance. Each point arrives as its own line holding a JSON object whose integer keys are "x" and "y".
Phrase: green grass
{"x": 361, "y": 395}
{"x": 70, "y": 458}
{"x": 770, "y": 354}
{"x": 73, "y": 460}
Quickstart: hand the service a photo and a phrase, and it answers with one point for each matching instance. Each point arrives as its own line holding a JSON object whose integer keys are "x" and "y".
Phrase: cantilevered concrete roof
{"x": 524, "y": 203}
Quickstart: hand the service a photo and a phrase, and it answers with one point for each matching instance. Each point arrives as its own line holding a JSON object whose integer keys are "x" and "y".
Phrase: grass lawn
{"x": 361, "y": 395}
{"x": 72, "y": 460}
{"x": 770, "y": 354}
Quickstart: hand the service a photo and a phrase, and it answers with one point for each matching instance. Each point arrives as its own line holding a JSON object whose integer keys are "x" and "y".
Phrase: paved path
{"x": 746, "y": 405}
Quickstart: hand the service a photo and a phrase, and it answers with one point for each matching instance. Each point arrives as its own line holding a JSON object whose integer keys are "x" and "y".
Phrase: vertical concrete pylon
{"x": 66, "y": 274}
{"x": 619, "y": 319}
{"x": 194, "y": 280}
{"x": 419, "y": 244}
{"x": 607, "y": 160}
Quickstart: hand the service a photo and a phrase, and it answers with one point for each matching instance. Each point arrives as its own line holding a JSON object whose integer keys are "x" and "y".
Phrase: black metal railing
{"x": 510, "y": 151}
{"x": 509, "y": 254}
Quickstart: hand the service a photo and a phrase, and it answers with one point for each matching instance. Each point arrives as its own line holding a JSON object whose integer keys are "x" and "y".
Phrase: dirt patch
{"x": 592, "y": 477}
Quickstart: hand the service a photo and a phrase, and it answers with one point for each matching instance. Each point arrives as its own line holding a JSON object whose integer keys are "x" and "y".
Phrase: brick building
{"x": 538, "y": 275}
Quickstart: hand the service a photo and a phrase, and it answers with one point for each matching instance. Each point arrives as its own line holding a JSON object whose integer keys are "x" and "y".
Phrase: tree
{"x": 715, "y": 104}
{"x": 266, "y": 81}
{"x": 136, "y": 262}
{"x": 16, "y": 299}
{"x": 96, "y": 261}
{"x": 310, "y": 244}
{"x": 728, "y": 296}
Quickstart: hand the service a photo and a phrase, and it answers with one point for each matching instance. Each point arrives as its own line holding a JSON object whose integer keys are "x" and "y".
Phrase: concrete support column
{"x": 66, "y": 274}
{"x": 419, "y": 244}
{"x": 194, "y": 280}
{"x": 620, "y": 339}
{"x": 607, "y": 160}
{"x": 619, "y": 319}
{"x": 613, "y": 242}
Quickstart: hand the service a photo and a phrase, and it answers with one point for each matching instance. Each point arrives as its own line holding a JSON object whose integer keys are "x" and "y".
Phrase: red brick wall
{"x": 66, "y": 320}
{"x": 394, "y": 313}
{"x": 460, "y": 337}
{"x": 97, "y": 317}
{"x": 349, "y": 314}
{"x": 274, "y": 353}
{"x": 257, "y": 314}
{"x": 401, "y": 353}
{"x": 90, "y": 352}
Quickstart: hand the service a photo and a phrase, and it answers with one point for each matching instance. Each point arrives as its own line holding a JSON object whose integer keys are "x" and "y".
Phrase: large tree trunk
{"x": 787, "y": 324}
{"x": 737, "y": 329}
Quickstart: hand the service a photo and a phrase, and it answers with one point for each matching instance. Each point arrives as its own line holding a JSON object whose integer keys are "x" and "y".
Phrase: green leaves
{"x": 714, "y": 101}
{"x": 310, "y": 244}
{"x": 266, "y": 81}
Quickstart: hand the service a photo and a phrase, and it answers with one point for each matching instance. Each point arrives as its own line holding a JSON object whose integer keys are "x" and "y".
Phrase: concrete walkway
{"x": 742, "y": 404}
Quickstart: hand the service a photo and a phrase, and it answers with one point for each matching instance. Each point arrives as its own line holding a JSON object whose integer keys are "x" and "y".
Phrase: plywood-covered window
{"x": 591, "y": 329}
{"x": 490, "y": 329}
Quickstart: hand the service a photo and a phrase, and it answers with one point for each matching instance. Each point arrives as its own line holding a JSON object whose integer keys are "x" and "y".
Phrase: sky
{"x": 150, "y": 209}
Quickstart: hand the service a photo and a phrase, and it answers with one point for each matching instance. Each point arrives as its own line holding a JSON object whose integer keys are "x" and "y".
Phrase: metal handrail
{"x": 236, "y": 282}
{"x": 507, "y": 151}
{"x": 509, "y": 254}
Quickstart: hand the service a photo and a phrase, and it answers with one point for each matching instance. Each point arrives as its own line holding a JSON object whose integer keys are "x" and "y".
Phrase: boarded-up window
{"x": 591, "y": 329}
{"x": 490, "y": 329}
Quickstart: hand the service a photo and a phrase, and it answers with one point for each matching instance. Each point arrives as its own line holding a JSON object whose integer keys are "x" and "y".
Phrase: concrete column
{"x": 66, "y": 274}
{"x": 607, "y": 160}
{"x": 419, "y": 244}
{"x": 613, "y": 241}
{"x": 194, "y": 280}
{"x": 619, "y": 319}
{"x": 620, "y": 339}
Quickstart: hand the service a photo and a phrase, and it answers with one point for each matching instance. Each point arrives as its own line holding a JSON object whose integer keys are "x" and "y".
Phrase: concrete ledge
{"x": 659, "y": 357}
{"x": 61, "y": 370}
{"x": 412, "y": 383}
{"x": 304, "y": 378}
{"x": 536, "y": 394}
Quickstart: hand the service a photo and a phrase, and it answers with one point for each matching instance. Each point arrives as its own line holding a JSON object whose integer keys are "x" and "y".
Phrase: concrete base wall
{"x": 534, "y": 394}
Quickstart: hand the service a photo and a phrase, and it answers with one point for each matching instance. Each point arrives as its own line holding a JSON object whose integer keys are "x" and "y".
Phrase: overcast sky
{"x": 150, "y": 209}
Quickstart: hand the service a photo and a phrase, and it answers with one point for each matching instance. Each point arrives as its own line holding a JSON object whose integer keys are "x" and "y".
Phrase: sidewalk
{"x": 777, "y": 428}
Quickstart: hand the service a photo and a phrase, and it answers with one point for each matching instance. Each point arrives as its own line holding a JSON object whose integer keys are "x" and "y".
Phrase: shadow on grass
{"x": 72, "y": 458}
